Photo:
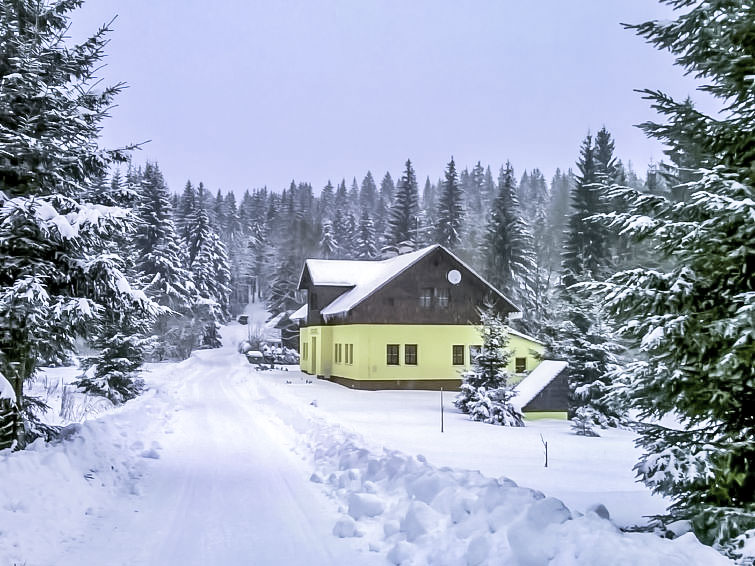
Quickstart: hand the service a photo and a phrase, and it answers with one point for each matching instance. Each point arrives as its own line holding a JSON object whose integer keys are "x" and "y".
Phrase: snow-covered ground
{"x": 220, "y": 464}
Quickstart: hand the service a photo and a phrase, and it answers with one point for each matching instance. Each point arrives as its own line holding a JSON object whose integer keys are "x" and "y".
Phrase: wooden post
{"x": 441, "y": 409}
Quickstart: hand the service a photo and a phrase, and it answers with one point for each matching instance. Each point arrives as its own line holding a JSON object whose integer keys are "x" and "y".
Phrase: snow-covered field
{"x": 220, "y": 464}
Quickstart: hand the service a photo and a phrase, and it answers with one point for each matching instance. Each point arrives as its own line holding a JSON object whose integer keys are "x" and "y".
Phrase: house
{"x": 407, "y": 322}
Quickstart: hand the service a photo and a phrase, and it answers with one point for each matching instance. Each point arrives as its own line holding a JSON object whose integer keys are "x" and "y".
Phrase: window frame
{"x": 411, "y": 360}
{"x": 442, "y": 297}
{"x": 426, "y": 297}
{"x": 457, "y": 352}
{"x": 390, "y": 356}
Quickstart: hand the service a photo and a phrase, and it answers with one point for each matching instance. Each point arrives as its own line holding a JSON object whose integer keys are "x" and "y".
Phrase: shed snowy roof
{"x": 365, "y": 277}
{"x": 535, "y": 382}
{"x": 300, "y": 313}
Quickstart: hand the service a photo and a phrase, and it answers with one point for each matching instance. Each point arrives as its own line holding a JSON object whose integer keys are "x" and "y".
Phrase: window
{"x": 313, "y": 302}
{"x": 349, "y": 354}
{"x": 391, "y": 354}
{"x": 304, "y": 351}
{"x": 441, "y": 296}
{"x": 474, "y": 351}
{"x": 520, "y": 365}
{"x": 410, "y": 354}
{"x": 339, "y": 352}
{"x": 458, "y": 355}
{"x": 426, "y": 298}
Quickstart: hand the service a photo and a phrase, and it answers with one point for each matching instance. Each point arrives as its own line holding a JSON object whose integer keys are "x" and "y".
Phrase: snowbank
{"x": 49, "y": 491}
{"x": 419, "y": 514}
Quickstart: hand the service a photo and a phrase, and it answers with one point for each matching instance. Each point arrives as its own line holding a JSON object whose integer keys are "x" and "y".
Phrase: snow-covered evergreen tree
{"x": 402, "y": 217}
{"x": 485, "y": 394}
{"x": 121, "y": 338}
{"x": 450, "y": 210}
{"x": 586, "y": 251}
{"x": 365, "y": 239}
{"x": 507, "y": 249}
{"x": 57, "y": 276}
{"x": 160, "y": 259}
{"x": 692, "y": 316}
{"x": 328, "y": 245}
{"x": 368, "y": 195}
{"x": 582, "y": 337}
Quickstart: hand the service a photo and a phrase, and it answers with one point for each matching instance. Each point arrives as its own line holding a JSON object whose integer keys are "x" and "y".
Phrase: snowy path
{"x": 225, "y": 490}
{"x": 219, "y": 464}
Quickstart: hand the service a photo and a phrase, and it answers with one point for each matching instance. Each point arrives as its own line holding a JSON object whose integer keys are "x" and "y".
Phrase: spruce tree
{"x": 120, "y": 341}
{"x": 368, "y": 195}
{"x": 387, "y": 189}
{"x": 450, "y": 210}
{"x": 692, "y": 316}
{"x": 365, "y": 239}
{"x": 507, "y": 248}
{"x": 56, "y": 278}
{"x": 485, "y": 393}
{"x": 586, "y": 254}
{"x": 402, "y": 217}
{"x": 328, "y": 245}
{"x": 327, "y": 202}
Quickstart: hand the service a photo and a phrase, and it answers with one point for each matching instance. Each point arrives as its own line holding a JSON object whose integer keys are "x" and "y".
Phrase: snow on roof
{"x": 300, "y": 313}
{"x": 272, "y": 323}
{"x": 525, "y": 336}
{"x": 337, "y": 272}
{"x": 368, "y": 276}
{"x": 535, "y": 382}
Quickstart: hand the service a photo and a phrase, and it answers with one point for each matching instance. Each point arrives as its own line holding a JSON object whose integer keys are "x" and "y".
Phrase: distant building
{"x": 408, "y": 322}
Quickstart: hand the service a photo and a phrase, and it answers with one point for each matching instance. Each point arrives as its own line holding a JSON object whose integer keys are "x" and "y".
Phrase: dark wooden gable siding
{"x": 397, "y": 302}
{"x": 318, "y": 297}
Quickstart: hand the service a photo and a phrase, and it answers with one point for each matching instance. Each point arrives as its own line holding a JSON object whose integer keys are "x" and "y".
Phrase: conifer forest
{"x": 640, "y": 276}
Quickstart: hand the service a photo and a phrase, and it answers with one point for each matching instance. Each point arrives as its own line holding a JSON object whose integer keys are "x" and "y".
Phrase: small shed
{"x": 545, "y": 389}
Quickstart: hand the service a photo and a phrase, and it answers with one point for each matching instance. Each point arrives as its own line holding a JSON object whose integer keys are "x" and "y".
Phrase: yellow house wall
{"x": 434, "y": 352}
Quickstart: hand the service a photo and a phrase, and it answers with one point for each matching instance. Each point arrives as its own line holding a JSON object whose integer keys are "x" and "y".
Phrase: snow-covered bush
{"x": 485, "y": 393}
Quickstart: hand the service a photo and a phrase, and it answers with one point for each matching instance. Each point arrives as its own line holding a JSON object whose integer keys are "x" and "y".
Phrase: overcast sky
{"x": 241, "y": 94}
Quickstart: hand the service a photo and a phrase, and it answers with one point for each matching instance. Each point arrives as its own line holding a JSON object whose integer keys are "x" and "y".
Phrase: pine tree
{"x": 692, "y": 317}
{"x": 509, "y": 258}
{"x": 368, "y": 196}
{"x": 353, "y": 197}
{"x": 485, "y": 394}
{"x": 402, "y": 218}
{"x": 450, "y": 210}
{"x": 581, "y": 336}
{"x": 387, "y": 189}
{"x": 56, "y": 278}
{"x": 341, "y": 201}
{"x": 327, "y": 202}
{"x": 120, "y": 341}
{"x": 365, "y": 240}
{"x": 160, "y": 259}
{"x": 328, "y": 244}
{"x": 586, "y": 252}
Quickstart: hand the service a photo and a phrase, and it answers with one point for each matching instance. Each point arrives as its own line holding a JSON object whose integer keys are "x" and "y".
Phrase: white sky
{"x": 241, "y": 94}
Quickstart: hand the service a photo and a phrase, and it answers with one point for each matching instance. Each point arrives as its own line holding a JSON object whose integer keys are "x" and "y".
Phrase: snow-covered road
{"x": 225, "y": 490}
{"x": 217, "y": 464}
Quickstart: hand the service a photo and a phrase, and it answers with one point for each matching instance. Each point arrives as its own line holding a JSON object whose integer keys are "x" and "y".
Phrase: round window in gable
{"x": 454, "y": 277}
